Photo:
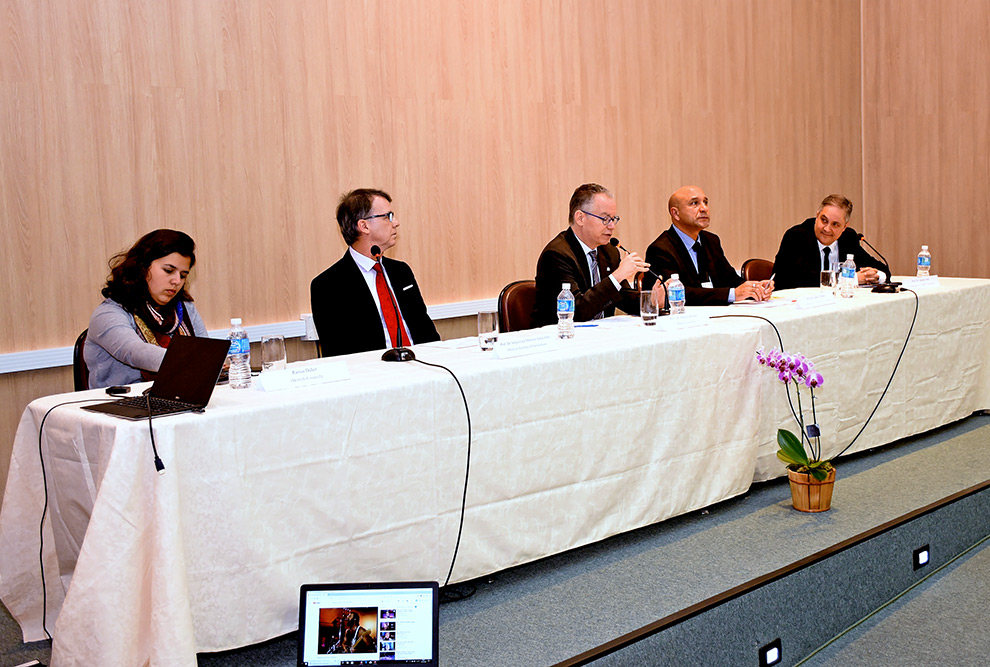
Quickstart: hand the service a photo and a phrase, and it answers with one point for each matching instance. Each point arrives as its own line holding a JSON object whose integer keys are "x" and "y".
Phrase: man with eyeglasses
{"x": 354, "y": 301}
{"x": 581, "y": 255}
{"x": 696, "y": 255}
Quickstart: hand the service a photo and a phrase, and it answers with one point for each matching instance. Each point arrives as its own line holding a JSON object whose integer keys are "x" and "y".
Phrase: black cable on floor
{"x": 44, "y": 511}
{"x": 467, "y": 469}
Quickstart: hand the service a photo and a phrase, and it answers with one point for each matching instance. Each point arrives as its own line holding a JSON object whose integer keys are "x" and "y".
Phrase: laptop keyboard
{"x": 159, "y": 406}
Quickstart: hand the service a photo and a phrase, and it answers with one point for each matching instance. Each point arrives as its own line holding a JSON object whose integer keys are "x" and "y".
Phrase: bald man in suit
{"x": 696, "y": 255}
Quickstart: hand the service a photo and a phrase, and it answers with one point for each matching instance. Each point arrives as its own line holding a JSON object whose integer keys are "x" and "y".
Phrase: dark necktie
{"x": 826, "y": 265}
{"x": 596, "y": 275}
{"x": 388, "y": 307}
{"x": 699, "y": 250}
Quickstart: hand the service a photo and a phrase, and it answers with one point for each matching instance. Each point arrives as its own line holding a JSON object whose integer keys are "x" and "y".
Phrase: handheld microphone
{"x": 395, "y": 353}
{"x": 614, "y": 242}
{"x": 886, "y": 287}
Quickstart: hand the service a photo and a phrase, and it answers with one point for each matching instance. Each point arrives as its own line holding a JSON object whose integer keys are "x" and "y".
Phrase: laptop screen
{"x": 190, "y": 369}
{"x": 369, "y": 624}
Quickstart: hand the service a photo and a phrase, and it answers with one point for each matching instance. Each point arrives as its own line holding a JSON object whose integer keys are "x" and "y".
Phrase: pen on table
{"x": 585, "y": 325}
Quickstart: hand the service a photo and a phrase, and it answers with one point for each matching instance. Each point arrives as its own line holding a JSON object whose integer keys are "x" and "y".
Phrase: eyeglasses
{"x": 605, "y": 221}
{"x": 390, "y": 215}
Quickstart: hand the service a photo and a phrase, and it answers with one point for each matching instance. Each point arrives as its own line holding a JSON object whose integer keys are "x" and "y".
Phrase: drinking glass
{"x": 487, "y": 329}
{"x": 648, "y": 307}
{"x": 828, "y": 280}
{"x": 272, "y": 353}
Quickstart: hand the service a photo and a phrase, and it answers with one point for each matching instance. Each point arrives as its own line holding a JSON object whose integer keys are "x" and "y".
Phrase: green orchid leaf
{"x": 791, "y": 447}
{"x": 818, "y": 473}
{"x": 786, "y": 459}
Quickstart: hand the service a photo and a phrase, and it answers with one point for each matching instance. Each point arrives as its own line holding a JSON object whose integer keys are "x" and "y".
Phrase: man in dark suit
{"x": 352, "y": 300}
{"x": 696, "y": 255}
{"x": 581, "y": 255}
{"x": 821, "y": 244}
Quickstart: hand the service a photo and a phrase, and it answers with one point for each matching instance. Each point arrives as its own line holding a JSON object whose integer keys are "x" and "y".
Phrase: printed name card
{"x": 303, "y": 375}
{"x": 686, "y": 320}
{"x": 522, "y": 344}
{"x": 817, "y": 300}
{"x": 922, "y": 282}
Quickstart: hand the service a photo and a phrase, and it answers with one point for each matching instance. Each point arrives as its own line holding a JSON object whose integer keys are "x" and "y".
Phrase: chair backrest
{"x": 80, "y": 373}
{"x": 757, "y": 269}
{"x": 515, "y": 305}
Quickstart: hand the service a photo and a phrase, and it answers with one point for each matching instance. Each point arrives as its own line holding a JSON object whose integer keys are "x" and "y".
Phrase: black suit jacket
{"x": 799, "y": 262}
{"x": 563, "y": 261}
{"x": 345, "y": 314}
{"x": 668, "y": 255}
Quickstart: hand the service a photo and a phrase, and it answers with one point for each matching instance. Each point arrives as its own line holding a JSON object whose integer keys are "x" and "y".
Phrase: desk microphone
{"x": 886, "y": 287}
{"x": 395, "y": 353}
{"x": 614, "y": 242}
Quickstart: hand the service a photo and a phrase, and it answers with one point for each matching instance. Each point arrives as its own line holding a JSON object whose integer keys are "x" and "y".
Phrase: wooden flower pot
{"x": 808, "y": 494}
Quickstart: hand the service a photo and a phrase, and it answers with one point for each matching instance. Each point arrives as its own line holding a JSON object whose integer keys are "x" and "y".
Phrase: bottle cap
{"x": 565, "y": 286}
{"x": 849, "y": 257}
{"x": 675, "y": 276}
{"x": 924, "y": 247}
{"x": 235, "y": 321}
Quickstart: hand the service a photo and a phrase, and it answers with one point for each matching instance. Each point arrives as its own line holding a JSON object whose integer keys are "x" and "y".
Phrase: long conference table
{"x": 362, "y": 479}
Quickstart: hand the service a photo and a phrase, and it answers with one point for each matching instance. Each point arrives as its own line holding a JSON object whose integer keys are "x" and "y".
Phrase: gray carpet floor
{"x": 544, "y": 612}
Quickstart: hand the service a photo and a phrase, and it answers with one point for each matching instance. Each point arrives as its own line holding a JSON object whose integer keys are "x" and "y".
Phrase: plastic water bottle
{"x": 565, "y": 312}
{"x": 924, "y": 262}
{"x": 675, "y": 294}
{"x": 239, "y": 356}
{"x": 847, "y": 278}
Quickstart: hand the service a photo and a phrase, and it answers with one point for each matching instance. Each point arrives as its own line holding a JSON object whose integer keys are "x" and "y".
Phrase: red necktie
{"x": 388, "y": 306}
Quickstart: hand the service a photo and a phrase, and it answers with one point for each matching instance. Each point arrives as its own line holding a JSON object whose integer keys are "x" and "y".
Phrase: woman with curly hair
{"x": 146, "y": 303}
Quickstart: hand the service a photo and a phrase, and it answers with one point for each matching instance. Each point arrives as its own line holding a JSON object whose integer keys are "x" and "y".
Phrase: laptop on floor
{"x": 369, "y": 624}
{"x": 184, "y": 383}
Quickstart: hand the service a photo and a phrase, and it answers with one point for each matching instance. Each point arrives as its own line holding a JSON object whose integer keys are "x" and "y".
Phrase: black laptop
{"x": 184, "y": 383}
{"x": 369, "y": 624}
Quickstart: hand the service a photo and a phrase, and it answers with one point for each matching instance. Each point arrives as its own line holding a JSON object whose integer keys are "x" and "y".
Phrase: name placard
{"x": 685, "y": 321}
{"x": 520, "y": 345}
{"x": 922, "y": 282}
{"x": 822, "y": 298}
{"x": 303, "y": 375}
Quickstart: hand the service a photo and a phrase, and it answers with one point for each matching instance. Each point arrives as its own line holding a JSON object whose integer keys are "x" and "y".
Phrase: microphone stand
{"x": 886, "y": 287}
{"x": 400, "y": 353}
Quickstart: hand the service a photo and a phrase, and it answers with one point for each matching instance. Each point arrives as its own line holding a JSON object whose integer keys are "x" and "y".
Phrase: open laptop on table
{"x": 184, "y": 383}
{"x": 369, "y": 624}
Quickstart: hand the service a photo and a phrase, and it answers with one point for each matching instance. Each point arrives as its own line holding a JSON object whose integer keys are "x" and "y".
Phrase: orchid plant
{"x": 798, "y": 370}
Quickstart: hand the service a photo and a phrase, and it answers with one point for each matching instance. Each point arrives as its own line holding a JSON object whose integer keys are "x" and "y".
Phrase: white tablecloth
{"x": 362, "y": 479}
{"x": 944, "y": 375}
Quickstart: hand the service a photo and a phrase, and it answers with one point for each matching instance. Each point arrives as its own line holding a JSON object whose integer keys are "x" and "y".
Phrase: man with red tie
{"x": 367, "y": 301}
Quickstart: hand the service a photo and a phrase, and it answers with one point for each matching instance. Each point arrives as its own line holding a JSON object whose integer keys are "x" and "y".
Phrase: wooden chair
{"x": 757, "y": 269}
{"x": 80, "y": 373}
{"x": 515, "y": 306}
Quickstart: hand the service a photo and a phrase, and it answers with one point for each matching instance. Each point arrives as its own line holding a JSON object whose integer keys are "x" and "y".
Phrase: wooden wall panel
{"x": 926, "y": 132}
{"x": 242, "y": 121}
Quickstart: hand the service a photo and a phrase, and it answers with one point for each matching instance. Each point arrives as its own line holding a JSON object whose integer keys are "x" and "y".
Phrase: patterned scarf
{"x": 158, "y": 328}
